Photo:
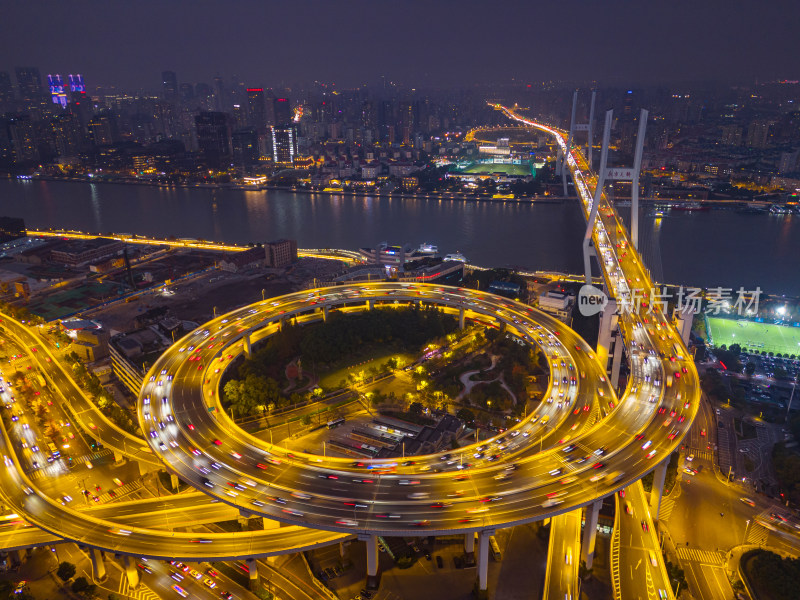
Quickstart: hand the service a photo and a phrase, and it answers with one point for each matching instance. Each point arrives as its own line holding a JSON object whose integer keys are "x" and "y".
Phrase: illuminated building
{"x": 213, "y": 138}
{"x": 57, "y": 93}
{"x": 76, "y": 84}
{"x": 284, "y": 144}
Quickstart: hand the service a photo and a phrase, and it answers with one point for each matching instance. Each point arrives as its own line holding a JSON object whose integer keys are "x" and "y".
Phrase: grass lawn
{"x": 755, "y": 337}
{"x": 331, "y": 380}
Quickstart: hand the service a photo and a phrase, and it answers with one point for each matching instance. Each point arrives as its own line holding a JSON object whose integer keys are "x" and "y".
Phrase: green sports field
{"x": 755, "y": 337}
{"x": 509, "y": 169}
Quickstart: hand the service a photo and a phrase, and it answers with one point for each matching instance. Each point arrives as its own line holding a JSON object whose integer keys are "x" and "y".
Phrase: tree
{"x": 749, "y": 369}
{"x": 66, "y": 571}
{"x": 466, "y": 415}
{"x": 82, "y": 586}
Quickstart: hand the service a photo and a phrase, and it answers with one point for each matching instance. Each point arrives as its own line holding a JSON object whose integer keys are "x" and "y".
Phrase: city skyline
{"x": 278, "y": 45}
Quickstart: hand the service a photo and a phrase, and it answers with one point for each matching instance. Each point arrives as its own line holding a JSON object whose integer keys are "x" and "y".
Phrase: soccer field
{"x": 755, "y": 337}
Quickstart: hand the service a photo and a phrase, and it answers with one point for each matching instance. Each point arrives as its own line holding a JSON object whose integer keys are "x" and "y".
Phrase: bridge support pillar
{"x": 255, "y": 580}
{"x": 119, "y": 458}
{"x": 281, "y": 323}
{"x": 370, "y": 304}
{"x": 461, "y": 313}
{"x": 483, "y": 558}
{"x": 659, "y": 474}
{"x": 131, "y": 572}
{"x": 248, "y": 349}
{"x": 98, "y": 566}
{"x": 270, "y": 523}
{"x": 325, "y": 311}
{"x": 590, "y": 532}
{"x": 469, "y": 547}
{"x": 373, "y": 578}
{"x": 173, "y": 481}
{"x": 244, "y": 519}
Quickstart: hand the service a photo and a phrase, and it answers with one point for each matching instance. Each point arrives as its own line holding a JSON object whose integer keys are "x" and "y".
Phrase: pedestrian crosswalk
{"x": 140, "y": 593}
{"x": 708, "y": 557}
{"x": 700, "y": 454}
{"x": 757, "y": 535}
{"x": 665, "y": 510}
{"x": 121, "y": 491}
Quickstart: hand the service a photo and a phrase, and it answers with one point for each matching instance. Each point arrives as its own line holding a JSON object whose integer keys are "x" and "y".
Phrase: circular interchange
{"x": 527, "y": 482}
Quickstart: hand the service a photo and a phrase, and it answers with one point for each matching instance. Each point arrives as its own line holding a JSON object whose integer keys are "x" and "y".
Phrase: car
{"x": 653, "y": 560}
{"x": 118, "y": 482}
{"x": 747, "y": 501}
{"x": 226, "y": 595}
{"x": 690, "y": 458}
{"x": 181, "y": 592}
{"x": 647, "y": 444}
{"x": 209, "y": 583}
{"x": 645, "y": 526}
{"x": 218, "y": 442}
{"x": 628, "y": 508}
{"x": 144, "y": 568}
{"x": 703, "y": 431}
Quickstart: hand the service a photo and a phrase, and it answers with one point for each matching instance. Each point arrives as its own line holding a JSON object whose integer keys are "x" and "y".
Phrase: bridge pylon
{"x": 574, "y": 127}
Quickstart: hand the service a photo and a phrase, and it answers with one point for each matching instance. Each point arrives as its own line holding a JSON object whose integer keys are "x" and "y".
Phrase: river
{"x": 711, "y": 248}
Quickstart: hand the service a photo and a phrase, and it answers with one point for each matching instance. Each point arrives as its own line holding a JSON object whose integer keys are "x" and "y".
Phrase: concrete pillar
{"x": 22, "y": 555}
{"x": 659, "y": 475}
{"x": 373, "y": 579}
{"x": 255, "y": 581}
{"x": 483, "y": 558}
{"x": 248, "y": 349}
{"x": 98, "y": 566}
{"x": 469, "y": 542}
{"x": 119, "y": 458}
{"x": 461, "y": 312}
{"x": 590, "y": 532}
{"x": 129, "y": 565}
{"x": 609, "y": 320}
{"x": 343, "y": 548}
{"x": 173, "y": 481}
{"x": 616, "y": 361}
{"x": 325, "y": 311}
{"x": 281, "y": 323}
{"x": 244, "y": 519}
{"x": 370, "y": 304}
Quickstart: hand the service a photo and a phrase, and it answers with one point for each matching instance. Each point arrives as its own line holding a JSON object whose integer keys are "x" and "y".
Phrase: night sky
{"x": 423, "y": 43}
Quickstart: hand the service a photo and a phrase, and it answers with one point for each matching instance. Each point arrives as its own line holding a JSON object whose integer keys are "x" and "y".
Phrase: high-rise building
{"x": 731, "y": 135}
{"x": 244, "y": 142}
{"x": 284, "y": 144}
{"x": 76, "y": 85}
{"x": 220, "y": 105}
{"x": 6, "y": 92}
{"x": 257, "y": 110}
{"x": 101, "y": 130}
{"x": 283, "y": 112}
{"x": 169, "y": 84}
{"x": 204, "y": 95}
{"x": 22, "y": 136}
{"x": 186, "y": 92}
{"x": 213, "y": 138}
{"x": 66, "y": 133}
{"x": 29, "y": 85}
{"x": 57, "y": 93}
{"x": 758, "y": 134}
{"x": 270, "y": 104}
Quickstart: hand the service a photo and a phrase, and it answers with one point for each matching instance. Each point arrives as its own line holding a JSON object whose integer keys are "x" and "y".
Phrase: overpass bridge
{"x": 315, "y": 496}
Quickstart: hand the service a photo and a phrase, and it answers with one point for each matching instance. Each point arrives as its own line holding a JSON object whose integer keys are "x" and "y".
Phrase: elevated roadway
{"x": 526, "y": 482}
